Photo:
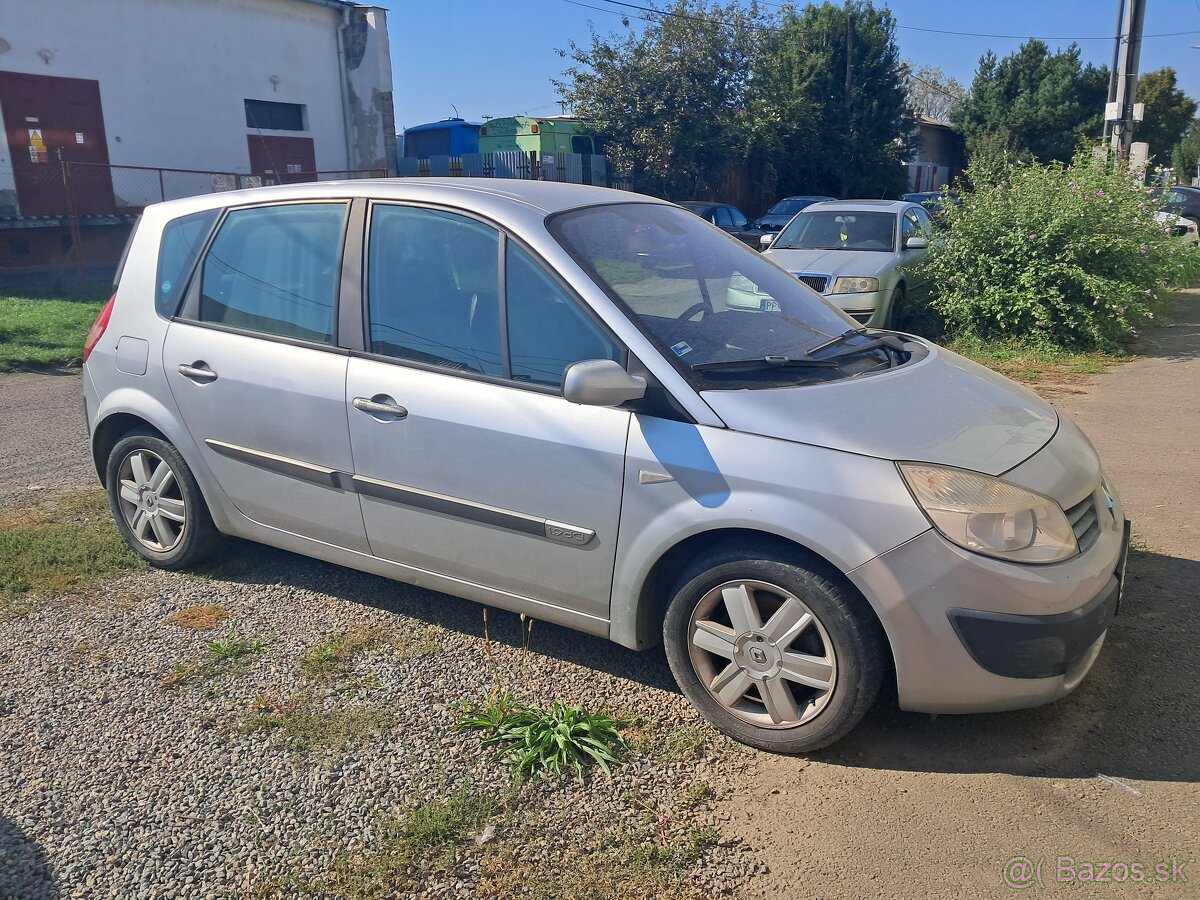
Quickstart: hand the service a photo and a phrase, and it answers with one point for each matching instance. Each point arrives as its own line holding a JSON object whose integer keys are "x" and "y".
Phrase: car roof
{"x": 893, "y": 206}
{"x": 545, "y": 196}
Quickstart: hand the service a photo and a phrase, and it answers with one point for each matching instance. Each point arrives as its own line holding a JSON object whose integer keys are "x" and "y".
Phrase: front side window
{"x": 274, "y": 270}
{"x": 736, "y": 217}
{"x": 725, "y": 314}
{"x": 839, "y": 230}
{"x": 721, "y": 217}
{"x": 433, "y": 289}
{"x": 182, "y": 240}
{"x": 547, "y": 331}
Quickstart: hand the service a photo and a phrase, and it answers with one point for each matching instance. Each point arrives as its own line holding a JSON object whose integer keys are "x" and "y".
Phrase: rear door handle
{"x": 198, "y": 371}
{"x": 380, "y": 405}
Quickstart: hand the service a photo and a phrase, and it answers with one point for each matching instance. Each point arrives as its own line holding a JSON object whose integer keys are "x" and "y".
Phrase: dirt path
{"x": 43, "y": 439}
{"x": 911, "y": 806}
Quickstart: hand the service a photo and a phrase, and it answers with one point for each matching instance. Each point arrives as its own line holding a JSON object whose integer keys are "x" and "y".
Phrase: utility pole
{"x": 1119, "y": 111}
{"x": 849, "y": 88}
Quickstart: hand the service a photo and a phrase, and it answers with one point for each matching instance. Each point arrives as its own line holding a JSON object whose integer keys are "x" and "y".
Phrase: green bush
{"x": 1064, "y": 256}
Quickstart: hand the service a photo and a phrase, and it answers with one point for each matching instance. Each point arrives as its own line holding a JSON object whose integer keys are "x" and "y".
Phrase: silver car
{"x": 861, "y": 254}
{"x": 547, "y": 398}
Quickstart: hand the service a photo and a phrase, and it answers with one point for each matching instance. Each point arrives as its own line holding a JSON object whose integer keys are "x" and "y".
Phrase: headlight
{"x": 990, "y": 516}
{"x": 855, "y": 285}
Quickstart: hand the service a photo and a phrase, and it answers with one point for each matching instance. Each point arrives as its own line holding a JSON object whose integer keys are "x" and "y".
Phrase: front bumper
{"x": 865, "y": 308}
{"x": 974, "y": 634}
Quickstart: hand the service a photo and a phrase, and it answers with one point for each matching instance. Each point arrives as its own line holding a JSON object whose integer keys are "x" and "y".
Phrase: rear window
{"x": 274, "y": 270}
{"x": 182, "y": 241}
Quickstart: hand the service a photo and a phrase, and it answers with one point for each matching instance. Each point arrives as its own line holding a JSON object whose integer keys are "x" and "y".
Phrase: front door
{"x": 468, "y": 460}
{"x": 48, "y": 120}
{"x": 254, "y": 370}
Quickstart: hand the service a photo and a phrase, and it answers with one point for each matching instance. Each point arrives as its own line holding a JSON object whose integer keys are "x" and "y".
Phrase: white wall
{"x": 174, "y": 74}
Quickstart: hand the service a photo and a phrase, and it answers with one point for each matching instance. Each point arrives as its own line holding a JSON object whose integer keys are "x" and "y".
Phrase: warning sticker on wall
{"x": 37, "y": 147}
{"x": 79, "y": 137}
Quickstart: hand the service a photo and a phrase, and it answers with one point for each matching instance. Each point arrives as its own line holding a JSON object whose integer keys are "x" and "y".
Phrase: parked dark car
{"x": 781, "y": 213}
{"x": 1180, "y": 199}
{"x": 728, "y": 218}
{"x": 933, "y": 201}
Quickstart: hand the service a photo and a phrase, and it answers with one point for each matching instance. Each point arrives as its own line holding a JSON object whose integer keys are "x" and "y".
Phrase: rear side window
{"x": 182, "y": 240}
{"x": 274, "y": 270}
{"x": 433, "y": 289}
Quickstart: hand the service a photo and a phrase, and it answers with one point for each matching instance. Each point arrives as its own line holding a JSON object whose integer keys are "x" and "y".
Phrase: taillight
{"x": 98, "y": 327}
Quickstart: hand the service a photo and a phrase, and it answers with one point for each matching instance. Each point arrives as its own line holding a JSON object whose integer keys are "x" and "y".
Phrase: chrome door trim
{"x": 443, "y": 504}
{"x": 283, "y": 465}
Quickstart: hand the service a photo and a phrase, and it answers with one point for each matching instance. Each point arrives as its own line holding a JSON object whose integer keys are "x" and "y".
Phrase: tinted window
{"x": 720, "y": 217}
{"x": 274, "y": 269}
{"x": 738, "y": 219}
{"x": 432, "y": 289}
{"x": 547, "y": 331}
{"x": 182, "y": 241}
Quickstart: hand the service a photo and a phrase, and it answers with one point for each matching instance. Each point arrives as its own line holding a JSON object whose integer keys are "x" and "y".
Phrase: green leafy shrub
{"x": 1066, "y": 256}
{"x": 536, "y": 741}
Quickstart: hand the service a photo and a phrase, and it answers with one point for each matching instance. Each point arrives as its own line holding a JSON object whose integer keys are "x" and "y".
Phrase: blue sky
{"x": 487, "y": 57}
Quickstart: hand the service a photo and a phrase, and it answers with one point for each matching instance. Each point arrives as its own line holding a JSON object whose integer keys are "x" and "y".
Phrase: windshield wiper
{"x": 767, "y": 362}
{"x": 883, "y": 342}
{"x": 840, "y": 339}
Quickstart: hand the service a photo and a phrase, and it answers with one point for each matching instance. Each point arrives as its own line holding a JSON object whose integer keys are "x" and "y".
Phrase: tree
{"x": 672, "y": 101}
{"x": 1168, "y": 112}
{"x": 830, "y": 139}
{"x": 1033, "y": 102}
{"x": 704, "y": 92}
{"x": 931, "y": 92}
{"x": 1187, "y": 154}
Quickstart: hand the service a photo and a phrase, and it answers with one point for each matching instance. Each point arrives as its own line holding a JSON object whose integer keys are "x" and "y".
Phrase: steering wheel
{"x": 692, "y": 310}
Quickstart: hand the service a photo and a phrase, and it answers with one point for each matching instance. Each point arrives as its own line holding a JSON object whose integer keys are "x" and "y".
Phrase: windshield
{"x": 789, "y": 207}
{"x": 705, "y": 298}
{"x": 839, "y": 230}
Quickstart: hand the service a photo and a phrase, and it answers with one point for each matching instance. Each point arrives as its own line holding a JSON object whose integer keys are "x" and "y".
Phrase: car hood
{"x": 863, "y": 263}
{"x": 940, "y": 409}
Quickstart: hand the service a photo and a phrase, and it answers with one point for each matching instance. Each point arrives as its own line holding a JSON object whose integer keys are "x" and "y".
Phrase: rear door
{"x": 481, "y": 470}
{"x": 254, "y": 367}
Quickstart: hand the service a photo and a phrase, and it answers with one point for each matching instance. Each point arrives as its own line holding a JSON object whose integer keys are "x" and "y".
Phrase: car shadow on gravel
{"x": 1133, "y": 717}
{"x": 249, "y": 563}
{"x": 25, "y": 872}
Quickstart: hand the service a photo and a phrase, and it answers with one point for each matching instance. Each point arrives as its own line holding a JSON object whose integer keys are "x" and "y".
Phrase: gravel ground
{"x": 112, "y": 785}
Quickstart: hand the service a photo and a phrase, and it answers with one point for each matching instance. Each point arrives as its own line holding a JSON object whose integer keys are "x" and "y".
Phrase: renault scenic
{"x": 553, "y": 399}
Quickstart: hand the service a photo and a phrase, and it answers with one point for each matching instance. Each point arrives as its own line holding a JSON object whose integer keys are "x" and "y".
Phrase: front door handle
{"x": 380, "y": 405}
{"x": 198, "y": 371}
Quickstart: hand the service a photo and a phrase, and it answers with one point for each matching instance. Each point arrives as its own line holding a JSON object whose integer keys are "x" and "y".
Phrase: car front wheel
{"x": 775, "y": 655}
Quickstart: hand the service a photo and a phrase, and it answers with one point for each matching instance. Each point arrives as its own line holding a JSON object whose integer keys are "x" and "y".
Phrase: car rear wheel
{"x": 775, "y": 655}
{"x": 157, "y": 504}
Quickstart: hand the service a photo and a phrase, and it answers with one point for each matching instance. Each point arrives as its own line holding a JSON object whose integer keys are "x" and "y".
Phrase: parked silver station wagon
{"x": 541, "y": 397}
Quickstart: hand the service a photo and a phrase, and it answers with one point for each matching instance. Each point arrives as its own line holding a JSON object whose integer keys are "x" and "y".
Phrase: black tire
{"x": 195, "y": 536}
{"x": 846, "y": 624}
{"x": 895, "y": 316}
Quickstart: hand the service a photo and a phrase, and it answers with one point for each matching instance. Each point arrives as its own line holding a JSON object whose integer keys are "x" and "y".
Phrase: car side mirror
{"x": 601, "y": 382}
{"x": 916, "y": 242}
{"x": 766, "y": 241}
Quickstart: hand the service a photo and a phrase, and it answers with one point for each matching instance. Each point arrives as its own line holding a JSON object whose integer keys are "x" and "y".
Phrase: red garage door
{"x": 47, "y": 119}
{"x": 282, "y": 160}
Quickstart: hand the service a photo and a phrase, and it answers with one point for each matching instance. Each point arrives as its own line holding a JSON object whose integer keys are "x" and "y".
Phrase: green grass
{"x": 307, "y": 729}
{"x": 38, "y": 332}
{"x": 1038, "y": 366}
{"x": 64, "y": 542}
{"x": 547, "y": 741}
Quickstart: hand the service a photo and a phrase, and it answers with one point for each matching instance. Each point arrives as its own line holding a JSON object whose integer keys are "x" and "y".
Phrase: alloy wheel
{"x": 759, "y": 650}
{"x": 151, "y": 500}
